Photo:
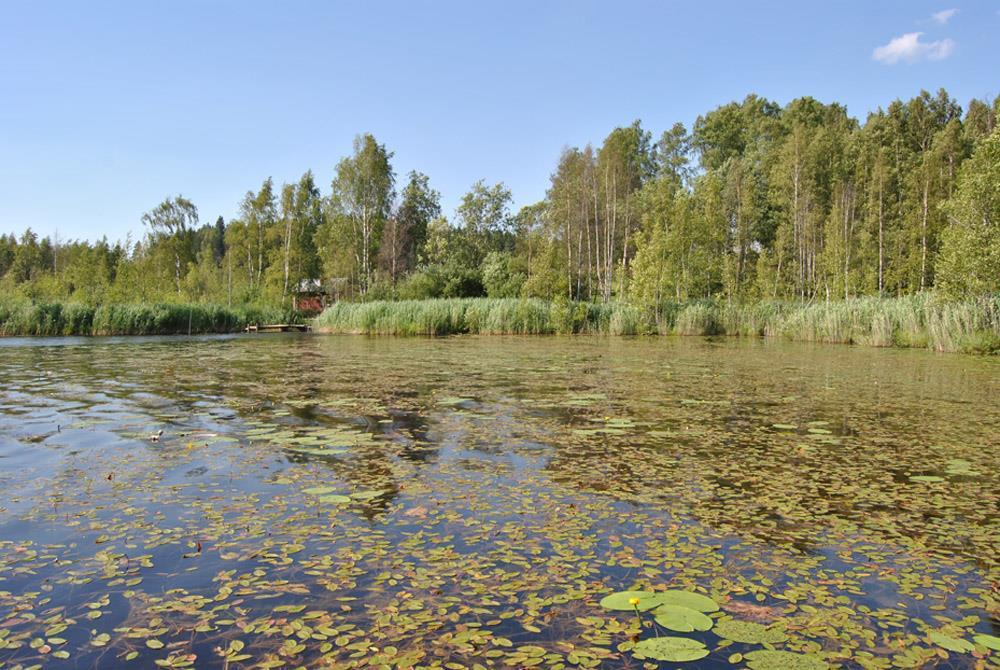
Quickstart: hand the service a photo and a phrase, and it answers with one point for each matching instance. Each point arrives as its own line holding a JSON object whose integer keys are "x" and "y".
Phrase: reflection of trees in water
{"x": 723, "y": 465}
{"x": 720, "y": 462}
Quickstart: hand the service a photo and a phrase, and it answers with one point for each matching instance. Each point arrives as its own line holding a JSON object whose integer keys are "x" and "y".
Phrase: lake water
{"x": 467, "y": 502}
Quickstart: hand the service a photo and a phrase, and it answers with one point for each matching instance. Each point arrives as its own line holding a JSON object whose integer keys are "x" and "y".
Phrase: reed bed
{"x": 27, "y": 318}
{"x": 915, "y": 321}
{"x": 925, "y": 320}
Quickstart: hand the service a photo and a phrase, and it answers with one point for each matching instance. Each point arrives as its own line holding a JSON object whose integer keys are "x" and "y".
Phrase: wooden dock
{"x": 277, "y": 328}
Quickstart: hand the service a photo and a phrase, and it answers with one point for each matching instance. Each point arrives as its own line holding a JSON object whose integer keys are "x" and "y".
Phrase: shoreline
{"x": 914, "y": 322}
{"x": 24, "y": 318}
{"x": 924, "y": 321}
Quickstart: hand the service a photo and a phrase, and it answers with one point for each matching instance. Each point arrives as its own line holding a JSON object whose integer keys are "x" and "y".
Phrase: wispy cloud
{"x": 943, "y": 16}
{"x": 908, "y": 48}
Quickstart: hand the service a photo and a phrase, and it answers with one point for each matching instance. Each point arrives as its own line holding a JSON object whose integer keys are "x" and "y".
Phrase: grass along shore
{"x": 925, "y": 321}
{"x": 27, "y": 318}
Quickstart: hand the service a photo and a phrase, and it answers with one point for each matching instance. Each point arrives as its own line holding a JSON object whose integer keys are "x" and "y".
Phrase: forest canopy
{"x": 754, "y": 202}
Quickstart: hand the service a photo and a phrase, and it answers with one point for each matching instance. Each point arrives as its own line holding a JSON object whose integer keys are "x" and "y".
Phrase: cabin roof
{"x": 310, "y": 286}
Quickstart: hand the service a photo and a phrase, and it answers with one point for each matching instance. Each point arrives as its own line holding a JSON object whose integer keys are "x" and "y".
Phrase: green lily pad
{"x": 681, "y": 619}
{"x": 950, "y": 643}
{"x": 926, "y": 478}
{"x": 749, "y": 632}
{"x": 319, "y": 490}
{"x": 961, "y": 467}
{"x": 366, "y": 495}
{"x": 452, "y": 400}
{"x": 988, "y": 641}
{"x": 784, "y": 426}
{"x": 317, "y": 451}
{"x": 620, "y": 601}
{"x": 673, "y": 649}
{"x": 689, "y": 599}
{"x": 334, "y": 500}
{"x": 766, "y": 659}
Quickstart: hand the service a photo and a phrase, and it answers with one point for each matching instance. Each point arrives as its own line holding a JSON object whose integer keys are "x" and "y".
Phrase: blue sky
{"x": 108, "y": 107}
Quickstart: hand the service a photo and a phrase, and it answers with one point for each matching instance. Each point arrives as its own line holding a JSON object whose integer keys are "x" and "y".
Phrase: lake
{"x": 329, "y": 501}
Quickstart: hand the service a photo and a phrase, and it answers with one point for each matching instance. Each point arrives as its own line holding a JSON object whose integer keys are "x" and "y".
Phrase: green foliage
{"x": 501, "y": 277}
{"x": 689, "y": 599}
{"x": 448, "y": 280}
{"x": 484, "y": 214}
{"x": 439, "y": 317}
{"x": 790, "y": 206}
{"x": 673, "y": 649}
{"x": 360, "y": 204}
{"x": 766, "y": 659}
{"x": 956, "y": 644}
{"x": 681, "y": 619}
{"x": 631, "y": 601}
{"x": 749, "y": 632}
{"x": 915, "y": 321}
{"x": 988, "y": 641}
{"x": 970, "y": 257}
{"x": 25, "y": 318}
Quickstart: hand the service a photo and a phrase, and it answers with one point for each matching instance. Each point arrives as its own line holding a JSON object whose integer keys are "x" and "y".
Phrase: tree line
{"x": 754, "y": 202}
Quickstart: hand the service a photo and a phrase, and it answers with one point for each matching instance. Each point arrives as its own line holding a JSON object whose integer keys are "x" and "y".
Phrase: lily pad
{"x": 452, "y": 400}
{"x": 689, "y": 599}
{"x": 767, "y": 659}
{"x": 317, "y": 451}
{"x": 927, "y": 479}
{"x": 956, "y": 644}
{"x": 749, "y": 632}
{"x": 673, "y": 649}
{"x": 620, "y": 601}
{"x": 366, "y": 495}
{"x": 961, "y": 467}
{"x": 681, "y": 619}
{"x": 988, "y": 641}
{"x": 319, "y": 490}
{"x": 334, "y": 500}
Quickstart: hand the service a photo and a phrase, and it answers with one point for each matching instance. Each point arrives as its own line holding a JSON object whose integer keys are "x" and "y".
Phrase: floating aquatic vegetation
{"x": 681, "y": 619}
{"x": 584, "y": 399}
{"x": 319, "y": 490}
{"x": 961, "y": 467}
{"x": 632, "y": 600}
{"x": 765, "y": 659}
{"x": 988, "y": 641}
{"x": 950, "y": 643}
{"x": 673, "y": 649}
{"x": 451, "y": 401}
{"x": 749, "y": 632}
{"x": 344, "y": 517}
{"x": 689, "y": 599}
{"x": 334, "y": 499}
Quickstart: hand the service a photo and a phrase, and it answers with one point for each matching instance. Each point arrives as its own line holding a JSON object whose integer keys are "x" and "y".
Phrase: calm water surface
{"x": 467, "y": 502}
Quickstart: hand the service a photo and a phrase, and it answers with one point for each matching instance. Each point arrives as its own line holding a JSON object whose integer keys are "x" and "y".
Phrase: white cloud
{"x": 910, "y": 49}
{"x": 943, "y": 16}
